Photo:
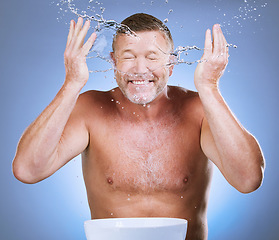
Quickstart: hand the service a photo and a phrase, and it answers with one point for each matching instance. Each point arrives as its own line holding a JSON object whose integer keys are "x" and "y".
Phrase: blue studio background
{"x": 32, "y": 41}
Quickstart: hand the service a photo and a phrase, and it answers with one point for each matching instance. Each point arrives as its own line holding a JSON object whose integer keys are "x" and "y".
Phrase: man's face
{"x": 141, "y": 63}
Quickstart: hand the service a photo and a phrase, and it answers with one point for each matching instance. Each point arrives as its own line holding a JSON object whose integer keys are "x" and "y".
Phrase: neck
{"x": 147, "y": 112}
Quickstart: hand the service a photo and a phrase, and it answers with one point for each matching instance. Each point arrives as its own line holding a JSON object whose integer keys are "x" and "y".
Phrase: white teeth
{"x": 139, "y": 82}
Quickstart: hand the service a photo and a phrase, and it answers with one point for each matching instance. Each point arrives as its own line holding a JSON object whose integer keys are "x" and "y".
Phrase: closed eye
{"x": 153, "y": 57}
{"x": 129, "y": 58}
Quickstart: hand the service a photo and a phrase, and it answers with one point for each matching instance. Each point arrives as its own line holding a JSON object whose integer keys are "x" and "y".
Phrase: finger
{"x": 207, "y": 44}
{"x": 89, "y": 43}
{"x": 217, "y": 38}
{"x": 71, "y": 32}
{"x": 82, "y": 34}
{"x": 78, "y": 26}
{"x": 224, "y": 51}
{"x": 226, "y": 47}
{"x": 222, "y": 41}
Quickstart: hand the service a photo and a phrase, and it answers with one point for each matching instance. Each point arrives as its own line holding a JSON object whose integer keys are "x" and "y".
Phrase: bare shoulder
{"x": 91, "y": 104}
{"x": 94, "y": 100}
{"x": 183, "y": 95}
{"x": 186, "y": 101}
{"x": 94, "y": 97}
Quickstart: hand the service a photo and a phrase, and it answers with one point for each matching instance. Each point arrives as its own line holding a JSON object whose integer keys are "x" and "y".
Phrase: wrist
{"x": 207, "y": 92}
{"x": 208, "y": 88}
{"x": 72, "y": 85}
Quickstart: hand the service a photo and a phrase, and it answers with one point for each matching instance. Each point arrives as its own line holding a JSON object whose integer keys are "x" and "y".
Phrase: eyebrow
{"x": 126, "y": 50}
{"x": 153, "y": 52}
{"x": 148, "y": 52}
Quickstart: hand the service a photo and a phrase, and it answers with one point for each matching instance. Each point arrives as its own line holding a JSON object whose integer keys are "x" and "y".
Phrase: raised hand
{"x": 214, "y": 60}
{"x": 76, "y": 51}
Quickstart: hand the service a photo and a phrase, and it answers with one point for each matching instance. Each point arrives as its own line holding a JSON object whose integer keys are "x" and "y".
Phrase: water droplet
{"x": 111, "y": 214}
{"x": 181, "y": 197}
{"x": 112, "y": 26}
{"x": 112, "y": 99}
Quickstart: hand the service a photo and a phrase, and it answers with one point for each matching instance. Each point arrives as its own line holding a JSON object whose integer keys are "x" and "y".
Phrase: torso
{"x": 155, "y": 168}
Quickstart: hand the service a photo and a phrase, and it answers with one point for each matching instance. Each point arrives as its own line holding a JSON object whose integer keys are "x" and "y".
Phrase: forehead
{"x": 143, "y": 41}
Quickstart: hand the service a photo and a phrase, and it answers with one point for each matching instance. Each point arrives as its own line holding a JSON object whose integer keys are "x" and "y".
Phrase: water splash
{"x": 180, "y": 51}
{"x": 106, "y": 29}
{"x": 233, "y": 21}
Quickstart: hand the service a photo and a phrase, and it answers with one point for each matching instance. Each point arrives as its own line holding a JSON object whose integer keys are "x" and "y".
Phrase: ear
{"x": 172, "y": 60}
{"x": 112, "y": 56}
{"x": 171, "y": 70}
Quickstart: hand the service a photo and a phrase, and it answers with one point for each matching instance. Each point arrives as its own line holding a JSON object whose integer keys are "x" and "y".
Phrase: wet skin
{"x": 145, "y": 145}
{"x": 135, "y": 166}
{"x": 146, "y": 161}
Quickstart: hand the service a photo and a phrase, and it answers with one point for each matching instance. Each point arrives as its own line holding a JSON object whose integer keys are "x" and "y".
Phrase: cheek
{"x": 124, "y": 66}
{"x": 162, "y": 73}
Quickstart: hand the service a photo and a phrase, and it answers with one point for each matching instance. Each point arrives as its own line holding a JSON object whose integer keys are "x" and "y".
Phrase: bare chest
{"x": 147, "y": 158}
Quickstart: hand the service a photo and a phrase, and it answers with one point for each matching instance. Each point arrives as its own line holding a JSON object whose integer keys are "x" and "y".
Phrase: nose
{"x": 141, "y": 65}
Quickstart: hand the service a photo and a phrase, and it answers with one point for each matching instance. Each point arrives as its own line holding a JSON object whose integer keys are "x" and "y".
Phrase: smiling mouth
{"x": 140, "y": 82}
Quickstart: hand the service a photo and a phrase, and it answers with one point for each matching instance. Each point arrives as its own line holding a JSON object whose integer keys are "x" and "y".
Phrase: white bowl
{"x": 136, "y": 229}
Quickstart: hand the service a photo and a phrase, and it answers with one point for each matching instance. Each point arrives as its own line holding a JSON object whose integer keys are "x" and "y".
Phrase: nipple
{"x": 110, "y": 181}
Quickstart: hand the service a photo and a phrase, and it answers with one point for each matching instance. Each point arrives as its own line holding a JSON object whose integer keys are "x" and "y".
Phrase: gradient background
{"x": 32, "y": 43}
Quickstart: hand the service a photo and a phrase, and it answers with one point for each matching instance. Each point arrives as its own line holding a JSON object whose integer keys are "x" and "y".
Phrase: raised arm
{"x": 223, "y": 139}
{"x": 59, "y": 133}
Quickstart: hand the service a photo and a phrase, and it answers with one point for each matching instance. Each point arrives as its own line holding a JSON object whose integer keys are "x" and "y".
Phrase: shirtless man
{"x": 148, "y": 149}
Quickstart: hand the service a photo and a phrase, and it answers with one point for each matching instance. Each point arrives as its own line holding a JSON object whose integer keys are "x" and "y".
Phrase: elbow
{"x": 252, "y": 182}
{"x": 253, "y": 176}
{"x": 22, "y": 174}
{"x": 250, "y": 186}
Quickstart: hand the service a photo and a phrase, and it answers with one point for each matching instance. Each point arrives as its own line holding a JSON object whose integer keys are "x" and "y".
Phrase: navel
{"x": 109, "y": 180}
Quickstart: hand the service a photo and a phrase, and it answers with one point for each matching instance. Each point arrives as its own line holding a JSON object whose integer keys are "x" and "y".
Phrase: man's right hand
{"x": 59, "y": 133}
{"x": 76, "y": 52}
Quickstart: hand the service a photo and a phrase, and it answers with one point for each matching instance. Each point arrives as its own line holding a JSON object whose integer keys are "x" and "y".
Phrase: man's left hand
{"x": 214, "y": 60}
